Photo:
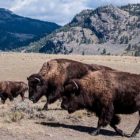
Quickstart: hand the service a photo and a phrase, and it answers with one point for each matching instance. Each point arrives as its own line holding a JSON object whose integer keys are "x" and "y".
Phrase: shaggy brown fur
{"x": 106, "y": 93}
{"x": 10, "y": 89}
{"x": 52, "y": 76}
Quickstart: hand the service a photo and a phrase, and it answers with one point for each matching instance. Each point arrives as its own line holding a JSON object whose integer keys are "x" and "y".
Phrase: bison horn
{"x": 75, "y": 84}
{"x": 37, "y": 79}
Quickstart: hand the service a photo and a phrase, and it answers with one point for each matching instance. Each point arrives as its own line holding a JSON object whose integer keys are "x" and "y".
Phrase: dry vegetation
{"x": 26, "y": 121}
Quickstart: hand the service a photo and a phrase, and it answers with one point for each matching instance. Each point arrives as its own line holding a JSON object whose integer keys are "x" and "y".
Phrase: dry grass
{"x": 14, "y": 116}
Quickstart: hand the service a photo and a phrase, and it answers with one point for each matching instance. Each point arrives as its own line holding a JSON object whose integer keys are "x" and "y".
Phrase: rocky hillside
{"x": 133, "y": 9}
{"x": 17, "y": 31}
{"x": 105, "y": 30}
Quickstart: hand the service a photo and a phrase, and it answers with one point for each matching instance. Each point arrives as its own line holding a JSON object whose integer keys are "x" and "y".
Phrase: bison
{"x": 107, "y": 93}
{"x": 11, "y": 89}
{"x": 52, "y": 76}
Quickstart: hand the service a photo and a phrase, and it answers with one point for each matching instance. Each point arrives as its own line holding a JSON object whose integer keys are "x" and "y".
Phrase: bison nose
{"x": 32, "y": 99}
{"x": 63, "y": 106}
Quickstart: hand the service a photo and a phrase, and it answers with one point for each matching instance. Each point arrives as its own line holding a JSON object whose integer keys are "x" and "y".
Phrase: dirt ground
{"x": 26, "y": 121}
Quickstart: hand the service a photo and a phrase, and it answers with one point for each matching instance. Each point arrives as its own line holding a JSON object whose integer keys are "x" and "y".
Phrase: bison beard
{"x": 107, "y": 93}
{"x": 53, "y": 75}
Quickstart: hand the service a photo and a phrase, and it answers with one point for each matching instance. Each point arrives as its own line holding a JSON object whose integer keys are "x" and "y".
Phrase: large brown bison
{"x": 52, "y": 76}
{"x": 107, "y": 93}
{"x": 11, "y": 89}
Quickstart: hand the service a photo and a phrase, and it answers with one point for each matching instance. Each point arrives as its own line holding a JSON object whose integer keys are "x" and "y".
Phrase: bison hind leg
{"x": 11, "y": 98}
{"x": 136, "y": 130}
{"x": 115, "y": 121}
{"x": 3, "y": 101}
{"x": 22, "y": 96}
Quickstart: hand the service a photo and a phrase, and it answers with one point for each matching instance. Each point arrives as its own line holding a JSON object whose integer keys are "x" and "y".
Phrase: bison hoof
{"x": 126, "y": 135}
{"x": 2, "y": 101}
{"x": 95, "y": 133}
{"x": 121, "y": 133}
{"x": 45, "y": 108}
{"x": 133, "y": 135}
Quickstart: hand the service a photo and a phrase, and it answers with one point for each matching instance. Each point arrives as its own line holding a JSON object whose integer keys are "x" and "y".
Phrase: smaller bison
{"x": 106, "y": 93}
{"x": 10, "y": 89}
{"x": 53, "y": 75}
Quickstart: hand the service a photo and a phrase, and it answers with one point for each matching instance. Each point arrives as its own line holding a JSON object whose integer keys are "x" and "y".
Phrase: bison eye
{"x": 74, "y": 94}
{"x": 32, "y": 84}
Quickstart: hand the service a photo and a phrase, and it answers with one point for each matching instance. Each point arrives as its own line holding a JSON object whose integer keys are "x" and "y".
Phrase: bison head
{"x": 72, "y": 97}
{"x": 37, "y": 87}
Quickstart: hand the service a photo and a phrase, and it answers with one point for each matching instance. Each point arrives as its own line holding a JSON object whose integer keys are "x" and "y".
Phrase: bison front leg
{"x": 55, "y": 95}
{"x": 97, "y": 131}
{"x": 45, "y": 106}
{"x": 22, "y": 96}
{"x": 11, "y": 98}
{"x": 136, "y": 130}
{"x": 3, "y": 101}
{"x": 3, "y": 97}
{"x": 105, "y": 116}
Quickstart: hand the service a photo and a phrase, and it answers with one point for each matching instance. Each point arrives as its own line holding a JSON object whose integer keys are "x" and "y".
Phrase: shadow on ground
{"x": 59, "y": 109}
{"x": 80, "y": 128}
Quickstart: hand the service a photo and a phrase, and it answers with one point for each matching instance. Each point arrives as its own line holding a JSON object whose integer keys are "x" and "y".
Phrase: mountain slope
{"x": 133, "y": 9}
{"x": 16, "y": 31}
{"x": 105, "y": 30}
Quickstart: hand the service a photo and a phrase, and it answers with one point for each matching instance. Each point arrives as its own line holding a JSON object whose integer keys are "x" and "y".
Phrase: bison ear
{"x": 28, "y": 78}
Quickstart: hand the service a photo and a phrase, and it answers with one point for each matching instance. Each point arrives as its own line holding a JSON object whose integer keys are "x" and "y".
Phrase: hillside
{"x": 17, "y": 31}
{"x": 105, "y": 30}
{"x": 133, "y": 9}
